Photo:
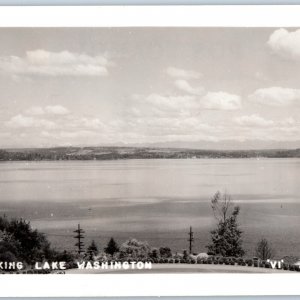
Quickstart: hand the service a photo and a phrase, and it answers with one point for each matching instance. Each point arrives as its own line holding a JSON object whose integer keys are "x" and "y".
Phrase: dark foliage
{"x": 226, "y": 238}
{"x": 112, "y": 247}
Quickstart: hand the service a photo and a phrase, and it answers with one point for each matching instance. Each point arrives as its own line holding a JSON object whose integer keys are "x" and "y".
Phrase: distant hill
{"x": 114, "y": 153}
{"x": 226, "y": 145}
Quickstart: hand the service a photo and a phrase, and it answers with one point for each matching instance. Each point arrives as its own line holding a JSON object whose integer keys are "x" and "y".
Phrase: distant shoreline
{"x": 125, "y": 153}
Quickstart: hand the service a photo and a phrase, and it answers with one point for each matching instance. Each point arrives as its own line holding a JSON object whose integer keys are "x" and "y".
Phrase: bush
{"x": 165, "y": 252}
{"x": 291, "y": 267}
{"x": 193, "y": 261}
{"x": 249, "y": 262}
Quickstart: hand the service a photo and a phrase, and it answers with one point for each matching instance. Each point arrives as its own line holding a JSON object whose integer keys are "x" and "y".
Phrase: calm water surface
{"x": 155, "y": 200}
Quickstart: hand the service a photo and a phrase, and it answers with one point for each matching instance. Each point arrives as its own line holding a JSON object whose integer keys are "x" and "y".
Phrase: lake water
{"x": 155, "y": 200}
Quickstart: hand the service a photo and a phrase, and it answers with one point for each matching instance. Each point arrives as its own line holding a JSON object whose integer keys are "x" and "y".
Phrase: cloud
{"x": 221, "y": 101}
{"x": 50, "y": 109}
{"x": 275, "y": 96}
{"x": 183, "y": 74}
{"x": 253, "y": 120}
{"x": 35, "y": 111}
{"x": 21, "y": 121}
{"x": 44, "y": 63}
{"x": 284, "y": 43}
{"x": 183, "y": 85}
{"x": 288, "y": 121}
{"x": 56, "y": 110}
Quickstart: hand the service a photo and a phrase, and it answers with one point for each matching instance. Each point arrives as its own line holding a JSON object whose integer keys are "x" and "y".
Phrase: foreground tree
{"x": 135, "y": 249}
{"x": 226, "y": 238}
{"x": 112, "y": 247}
{"x": 19, "y": 242}
{"x": 264, "y": 250}
{"x": 165, "y": 252}
{"x": 92, "y": 250}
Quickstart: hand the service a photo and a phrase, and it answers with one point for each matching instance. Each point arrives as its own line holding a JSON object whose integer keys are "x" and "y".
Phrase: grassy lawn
{"x": 181, "y": 268}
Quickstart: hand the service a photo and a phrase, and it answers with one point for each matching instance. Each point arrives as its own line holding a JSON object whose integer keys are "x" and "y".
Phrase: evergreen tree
{"x": 226, "y": 238}
{"x": 92, "y": 250}
{"x": 112, "y": 247}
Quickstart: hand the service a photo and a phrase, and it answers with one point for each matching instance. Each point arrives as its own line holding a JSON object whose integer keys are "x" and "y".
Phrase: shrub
{"x": 267, "y": 265}
{"x": 292, "y": 268}
{"x": 165, "y": 252}
{"x": 249, "y": 262}
{"x": 135, "y": 249}
{"x": 7, "y": 257}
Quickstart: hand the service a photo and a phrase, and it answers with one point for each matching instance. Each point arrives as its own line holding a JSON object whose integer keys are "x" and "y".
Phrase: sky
{"x": 125, "y": 86}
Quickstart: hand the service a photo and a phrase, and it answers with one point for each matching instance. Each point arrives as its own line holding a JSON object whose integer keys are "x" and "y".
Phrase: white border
{"x": 150, "y": 284}
{"x": 151, "y": 16}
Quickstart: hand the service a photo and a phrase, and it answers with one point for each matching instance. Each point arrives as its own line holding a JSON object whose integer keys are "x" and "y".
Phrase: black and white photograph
{"x": 149, "y": 150}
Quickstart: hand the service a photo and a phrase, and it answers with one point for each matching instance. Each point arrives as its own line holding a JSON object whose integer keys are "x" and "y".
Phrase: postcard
{"x": 149, "y": 151}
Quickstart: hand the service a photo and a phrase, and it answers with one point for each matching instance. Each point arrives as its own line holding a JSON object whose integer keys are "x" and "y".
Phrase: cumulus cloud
{"x": 285, "y": 43}
{"x": 183, "y": 74}
{"x": 253, "y": 120}
{"x": 50, "y": 109}
{"x": 56, "y": 110}
{"x": 170, "y": 102}
{"x": 44, "y": 63}
{"x": 275, "y": 96}
{"x": 21, "y": 121}
{"x": 35, "y": 111}
{"x": 221, "y": 101}
{"x": 183, "y": 85}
